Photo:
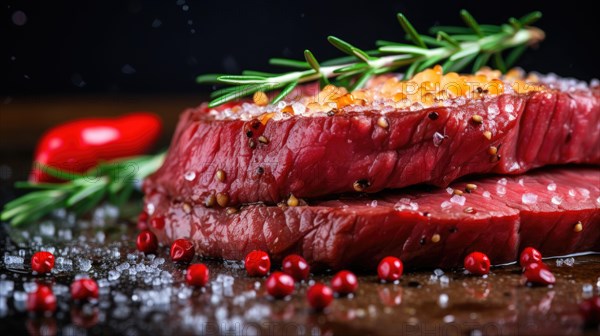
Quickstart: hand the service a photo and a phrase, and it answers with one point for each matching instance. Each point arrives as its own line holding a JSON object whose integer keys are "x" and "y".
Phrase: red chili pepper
{"x": 257, "y": 263}
{"x": 344, "y": 283}
{"x": 41, "y": 300}
{"x": 80, "y": 145}
{"x": 296, "y": 266}
{"x": 539, "y": 274}
{"x": 280, "y": 285}
{"x": 42, "y": 262}
{"x": 319, "y": 296}
{"x": 83, "y": 289}
{"x": 529, "y": 255}
{"x": 197, "y": 275}
{"x": 477, "y": 263}
{"x": 182, "y": 250}
{"x": 147, "y": 242}
{"x": 390, "y": 269}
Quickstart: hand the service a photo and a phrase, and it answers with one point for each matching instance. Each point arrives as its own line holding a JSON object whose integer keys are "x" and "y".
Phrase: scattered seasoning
{"x": 182, "y": 250}
{"x": 84, "y": 289}
{"x": 383, "y": 122}
{"x": 330, "y": 113}
{"x": 433, "y": 115}
{"x": 319, "y": 296}
{"x": 477, "y": 119}
{"x": 292, "y": 201}
{"x": 187, "y": 208}
{"x": 477, "y": 263}
{"x": 435, "y": 238}
{"x": 42, "y": 262}
{"x": 426, "y": 214}
{"x": 288, "y": 109}
{"x": 197, "y": 275}
{"x": 469, "y": 210}
{"x": 210, "y": 201}
{"x": 492, "y": 150}
{"x": 487, "y": 135}
{"x": 263, "y": 139}
{"x": 422, "y": 241}
{"x": 231, "y": 210}
{"x": 296, "y": 266}
{"x": 260, "y": 170}
{"x": 251, "y": 143}
{"x": 158, "y": 222}
{"x": 529, "y": 255}
{"x": 537, "y": 273}
{"x": 453, "y": 229}
{"x": 249, "y": 134}
{"x": 279, "y": 285}
{"x": 257, "y": 263}
{"x": 457, "y": 192}
{"x": 495, "y": 158}
{"x": 344, "y": 283}
{"x": 260, "y": 98}
{"x": 471, "y": 187}
{"x": 220, "y": 175}
{"x": 578, "y": 227}
{"x": 147, "y": 242}
{"x": 361, "y": 185}
{"x": 390, "y": 269}
{"x": 222, "y": 199}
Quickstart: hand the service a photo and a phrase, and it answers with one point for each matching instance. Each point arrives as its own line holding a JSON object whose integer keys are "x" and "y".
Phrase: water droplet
{"x": 529, "y": 198}
{"x": 557, "y": 200}
{"x": 552, "y": 187}
{"x": 437, "y": 139}
{"x": 190, "y": 176}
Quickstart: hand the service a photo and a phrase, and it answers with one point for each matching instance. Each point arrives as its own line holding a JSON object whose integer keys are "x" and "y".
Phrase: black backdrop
{"x": 134, "y": 46}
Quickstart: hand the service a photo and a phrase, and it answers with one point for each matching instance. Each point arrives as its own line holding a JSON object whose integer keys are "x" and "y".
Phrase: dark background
{"x": 134, "y": 46}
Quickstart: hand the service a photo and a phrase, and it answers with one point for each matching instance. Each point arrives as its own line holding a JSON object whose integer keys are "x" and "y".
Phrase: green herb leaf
{"x": 411, "y": 31}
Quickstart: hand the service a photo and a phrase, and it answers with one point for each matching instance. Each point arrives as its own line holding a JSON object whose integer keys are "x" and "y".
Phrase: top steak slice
{"x": 350, "y": 151}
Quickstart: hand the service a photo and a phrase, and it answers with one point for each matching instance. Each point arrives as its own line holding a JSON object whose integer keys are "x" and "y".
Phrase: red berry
{"x": 42, "y": 262}
{"x": 158, "y": 222}
{"x": 590, "y": 311}
{"x": 182, "y": 250}
{"x": 147, "y": 242}
{"x": 280, "y": 285}
{"x": 257, "y": 263}
{"x": 539, "y": 274}
{"x": 41, "y": 300}
{"x": 296, "y": 266}
{"x": 390, "y": 269}
{"x": 84, "y": 289}
{"x": 197, "y": 275}
{"x": 530, "y": 255}
{"x": 319, "y": 296}
{"x": 142, "y": 223}
{"x": 344, "y": 283}
{"x": 477, "y": 263}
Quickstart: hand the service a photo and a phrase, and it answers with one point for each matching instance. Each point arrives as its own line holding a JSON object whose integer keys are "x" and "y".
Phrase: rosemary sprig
{"x": 113, "y": 180}
{"x": 454, "y": 47}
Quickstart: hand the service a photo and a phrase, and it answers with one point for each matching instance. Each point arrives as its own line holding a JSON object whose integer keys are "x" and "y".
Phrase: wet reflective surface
{"x": 146, "y": 295}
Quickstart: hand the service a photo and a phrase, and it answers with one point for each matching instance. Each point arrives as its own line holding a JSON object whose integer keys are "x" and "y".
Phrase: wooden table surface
{"x": 421, "y": 304}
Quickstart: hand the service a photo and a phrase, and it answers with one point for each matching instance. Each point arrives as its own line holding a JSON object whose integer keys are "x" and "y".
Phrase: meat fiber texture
{"x": 317, "y": 156}
{"x": 425, "y": 227}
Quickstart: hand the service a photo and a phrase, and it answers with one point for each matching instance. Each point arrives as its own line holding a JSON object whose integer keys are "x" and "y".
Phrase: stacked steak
{"x": 326, "y": 185}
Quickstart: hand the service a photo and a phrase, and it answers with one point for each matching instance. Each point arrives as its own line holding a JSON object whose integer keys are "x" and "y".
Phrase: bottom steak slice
{"x": 424, "y": 227}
